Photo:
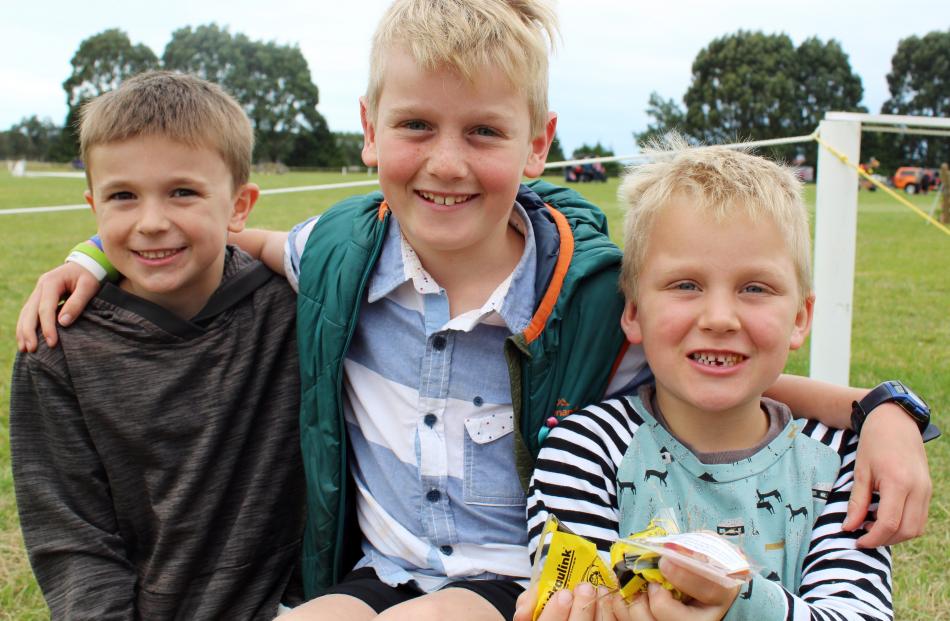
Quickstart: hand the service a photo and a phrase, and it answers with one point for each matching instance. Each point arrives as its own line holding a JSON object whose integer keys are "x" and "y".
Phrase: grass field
{"x": 901, "y": 330}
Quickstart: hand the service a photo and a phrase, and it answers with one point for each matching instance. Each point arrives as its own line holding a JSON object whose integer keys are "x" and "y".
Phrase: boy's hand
{"x": 707, "y": 601}
{"x": 43, "y": 302}
{"x": 585, "y": 604}
{"x": 891, "y": 460}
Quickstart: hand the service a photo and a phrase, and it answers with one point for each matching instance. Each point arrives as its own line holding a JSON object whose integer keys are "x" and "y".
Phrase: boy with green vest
{"x": 446, "y": 323}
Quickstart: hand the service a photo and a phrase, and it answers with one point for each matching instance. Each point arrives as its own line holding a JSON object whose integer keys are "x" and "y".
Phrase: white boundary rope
{"x": 639, "y": 157}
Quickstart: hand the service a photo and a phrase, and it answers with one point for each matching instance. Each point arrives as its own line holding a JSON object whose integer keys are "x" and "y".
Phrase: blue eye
{"x": 754, "y": 289}
{"x": 183, "y": 192}
{"x": 487, "y": 132}
{"x": 416, "y": 125}
{"x": 121, "y": 196}
{"x": 686, "y": 286}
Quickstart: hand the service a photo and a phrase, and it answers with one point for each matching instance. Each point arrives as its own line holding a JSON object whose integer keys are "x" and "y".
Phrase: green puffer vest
{"x": 561, "y": 362}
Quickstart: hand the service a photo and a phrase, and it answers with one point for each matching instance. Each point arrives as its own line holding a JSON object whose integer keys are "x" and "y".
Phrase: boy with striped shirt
{"x": 716, "y": 274}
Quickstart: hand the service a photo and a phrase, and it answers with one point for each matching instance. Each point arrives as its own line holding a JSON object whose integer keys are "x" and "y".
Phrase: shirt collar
{"x": 511, "y": 304}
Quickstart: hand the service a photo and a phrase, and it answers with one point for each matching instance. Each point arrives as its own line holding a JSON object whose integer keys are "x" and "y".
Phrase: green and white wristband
{"x": 92, "y": 259}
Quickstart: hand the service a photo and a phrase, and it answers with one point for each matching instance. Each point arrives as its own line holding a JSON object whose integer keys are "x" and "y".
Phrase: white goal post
{"x": 836, "y": 220}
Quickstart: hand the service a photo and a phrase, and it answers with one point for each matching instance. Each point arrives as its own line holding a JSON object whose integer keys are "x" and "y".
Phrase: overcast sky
{"x": 614, "y": 53}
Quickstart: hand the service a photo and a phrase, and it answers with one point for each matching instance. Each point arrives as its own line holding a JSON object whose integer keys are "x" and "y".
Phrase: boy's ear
{"x": 539, "y": 148}
{"x": 802, "y": 323}
{"x": 630, "y": 323}
{"x": 89, "y": 199}
{"x": 244, "y": 201}
{"x": 369, "y": 136}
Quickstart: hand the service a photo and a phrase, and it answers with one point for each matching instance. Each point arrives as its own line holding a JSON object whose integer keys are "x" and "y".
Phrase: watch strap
{"x": 898, "y": 393}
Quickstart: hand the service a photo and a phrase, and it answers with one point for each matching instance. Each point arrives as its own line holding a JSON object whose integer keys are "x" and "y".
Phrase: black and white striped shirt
{"x": 575, "y": 478}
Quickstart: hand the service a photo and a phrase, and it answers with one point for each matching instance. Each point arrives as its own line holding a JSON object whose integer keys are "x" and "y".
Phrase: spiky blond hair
{"x": 717, "y": 181}
{"x": 466, "y": 36}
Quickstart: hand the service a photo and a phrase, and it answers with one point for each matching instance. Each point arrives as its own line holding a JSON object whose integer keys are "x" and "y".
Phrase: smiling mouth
{"x": 153, "y": 255}
{"x": 443, "y": 199}
{"x": 714, "y": 359}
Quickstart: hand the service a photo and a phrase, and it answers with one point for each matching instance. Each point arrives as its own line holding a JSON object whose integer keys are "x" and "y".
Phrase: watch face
{"x": 914, "y": 405}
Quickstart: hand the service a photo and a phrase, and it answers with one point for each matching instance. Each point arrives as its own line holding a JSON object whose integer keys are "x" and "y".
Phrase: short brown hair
{"x": 177, "y": 106}
{"x": 715, "y": 180}
{"x": 467, "y": 35}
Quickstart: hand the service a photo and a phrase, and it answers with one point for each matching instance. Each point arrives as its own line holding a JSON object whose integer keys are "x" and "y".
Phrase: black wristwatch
{"x": 901, "y": 395}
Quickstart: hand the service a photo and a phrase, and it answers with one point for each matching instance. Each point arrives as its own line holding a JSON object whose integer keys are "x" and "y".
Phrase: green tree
{"x": 212, "y": 53}
{"x": 273, "y": 84}
{"x": 743, "y": 88}
{"x": 753, "y": 86}
{"x": 30, "y": 139}
{"x": 100, "y": 64}
{"x": 825, "y": 82}
{"x": 350, "y": 147}
{"x": 667, "y": 116}
{"x": 556, "y": 152}
{"x": 919, "y": 85}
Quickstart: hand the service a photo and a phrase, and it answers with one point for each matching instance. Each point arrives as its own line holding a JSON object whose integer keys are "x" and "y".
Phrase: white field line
{"x": 326, "y": 186}
{"x": 20, "y": 210}
{"x": 71, "y": 175}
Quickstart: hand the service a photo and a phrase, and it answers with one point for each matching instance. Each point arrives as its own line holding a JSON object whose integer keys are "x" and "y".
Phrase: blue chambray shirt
{"x": 430, "y": 422}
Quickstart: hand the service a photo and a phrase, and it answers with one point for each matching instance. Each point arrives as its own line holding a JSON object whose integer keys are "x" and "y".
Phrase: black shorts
{"x": 364, "y": 585}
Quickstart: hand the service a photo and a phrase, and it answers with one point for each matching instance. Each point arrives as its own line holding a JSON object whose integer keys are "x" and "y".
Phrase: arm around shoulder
{"x": 825, "y": 402}
{"x": 891, "y": 458}
{"x": 268, "y": 246}
{"x": 40, "y": 309}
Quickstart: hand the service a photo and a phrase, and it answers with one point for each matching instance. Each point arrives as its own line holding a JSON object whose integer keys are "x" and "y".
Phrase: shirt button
{"x": 478, "y": 401}
{"x": 430, "y": 419}
{"x": 446, "y": 550}
{"x": 438, "y": 342}
{"x": 433, "y": 495}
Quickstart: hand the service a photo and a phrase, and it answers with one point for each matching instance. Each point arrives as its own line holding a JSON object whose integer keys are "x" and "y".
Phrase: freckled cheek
{"x": 399, "y": 162}
{"x": 497, "y": 174}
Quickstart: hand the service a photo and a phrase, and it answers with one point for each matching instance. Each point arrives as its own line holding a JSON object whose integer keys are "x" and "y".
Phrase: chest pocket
{"x": 490, "y": 474}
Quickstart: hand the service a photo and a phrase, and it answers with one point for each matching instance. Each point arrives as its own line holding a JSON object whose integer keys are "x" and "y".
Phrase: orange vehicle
{"x": 908, "y": 178}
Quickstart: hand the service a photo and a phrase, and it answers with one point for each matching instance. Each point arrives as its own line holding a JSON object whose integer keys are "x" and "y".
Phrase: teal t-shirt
{"x": 766, "y": 504}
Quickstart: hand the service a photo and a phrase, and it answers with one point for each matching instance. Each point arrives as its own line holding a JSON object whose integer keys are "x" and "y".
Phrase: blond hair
{"x": 466, "y": 36}
{"x": 177, "y": 106}
{"x": 716, "y": 181}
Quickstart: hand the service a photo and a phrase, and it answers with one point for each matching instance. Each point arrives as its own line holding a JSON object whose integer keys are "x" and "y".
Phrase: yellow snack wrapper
{"x": 569, "y": 560}
{"x": 635, "y": 566}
